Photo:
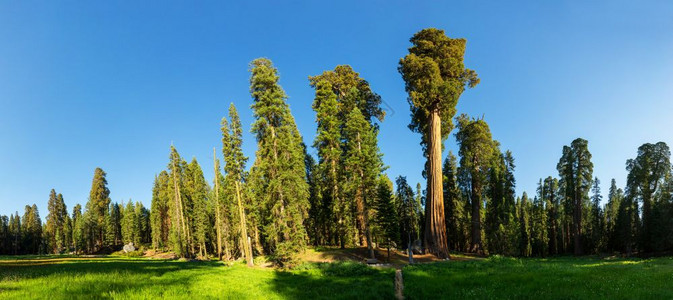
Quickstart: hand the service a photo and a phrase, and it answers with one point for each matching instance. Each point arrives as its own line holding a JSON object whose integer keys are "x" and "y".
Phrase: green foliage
{"x": 435, "y": 77}
{"x": 279, "y": 161}
{"x": 97, "y": 209}
{"x": 387, "y": 218}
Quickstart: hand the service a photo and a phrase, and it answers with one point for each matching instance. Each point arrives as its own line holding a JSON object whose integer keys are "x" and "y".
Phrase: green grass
{"x": 555, "y": 278}
{"x": 116, "y": 277}
{"x": 138, "y": 278}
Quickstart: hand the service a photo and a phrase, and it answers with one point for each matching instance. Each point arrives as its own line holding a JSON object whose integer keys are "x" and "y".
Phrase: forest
{"x": 286, "y": 199}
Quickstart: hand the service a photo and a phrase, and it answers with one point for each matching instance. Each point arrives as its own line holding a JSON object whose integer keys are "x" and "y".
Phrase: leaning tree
{"x": 435, "y": 77}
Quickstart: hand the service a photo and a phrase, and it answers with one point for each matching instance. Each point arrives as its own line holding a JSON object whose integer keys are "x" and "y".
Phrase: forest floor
{"x": 331, "y": 273}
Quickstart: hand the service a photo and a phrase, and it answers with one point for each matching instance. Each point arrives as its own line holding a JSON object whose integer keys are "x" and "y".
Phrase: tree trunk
{"x": 218, "y": 224}
{"x": 245, "y": 240}
{"x": 435, "y": 228}
{"x": 476, "y": 246}
{"x": 577, "y": 220}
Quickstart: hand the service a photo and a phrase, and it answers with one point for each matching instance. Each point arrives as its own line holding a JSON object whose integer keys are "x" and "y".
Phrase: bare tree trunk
{"x": 218, "y": 224}
{"x": 245, "y": 240}
{"x": 435, "y": 228}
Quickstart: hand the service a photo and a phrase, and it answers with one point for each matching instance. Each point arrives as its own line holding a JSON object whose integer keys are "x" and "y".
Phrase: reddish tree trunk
{"x": 435, "y": 228}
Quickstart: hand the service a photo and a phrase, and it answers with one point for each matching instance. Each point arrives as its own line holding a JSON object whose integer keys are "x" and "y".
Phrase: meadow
{"x": 116, "y": 277}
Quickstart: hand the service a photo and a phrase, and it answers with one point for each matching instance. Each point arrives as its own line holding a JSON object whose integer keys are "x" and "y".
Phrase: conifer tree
{"x": 386, "y": 214}
{"x": 280, "y": 162}
{"x": 362, "y": 166}
{"x": 524, "y": 223}
{"x": 435, "y": 77}
{"x": 160, "y": 217}
{"x": 335, "y": 208}
{"x": 130, "y": 224}
{"x": 615, "y": 197}
{"x": 55, "y": 225}
{"x": 97, "y": 208}
{"x": 454, "y": 206}
{"x": 576, "y": 169}
{"x": 178, "y": 233}
{"x": 232, "y": 141}
{"x": 476, "y": 153}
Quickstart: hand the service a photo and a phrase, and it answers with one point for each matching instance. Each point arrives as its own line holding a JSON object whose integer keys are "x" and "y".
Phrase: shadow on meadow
{"x": 93, "y": 278}
{"x": 341, "y": 280}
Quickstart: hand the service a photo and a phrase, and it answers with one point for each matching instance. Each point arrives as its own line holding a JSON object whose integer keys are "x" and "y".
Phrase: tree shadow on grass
{"x": 96, "y": 278}
{"x": 335, "y": 281}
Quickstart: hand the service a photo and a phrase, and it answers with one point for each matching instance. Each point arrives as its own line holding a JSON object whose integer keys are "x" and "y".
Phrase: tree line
{"x": 289, "y": 199}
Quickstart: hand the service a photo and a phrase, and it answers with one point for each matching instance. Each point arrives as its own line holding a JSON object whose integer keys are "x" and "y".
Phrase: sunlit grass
{"x": 553, "y": 278}
{"x": 138, "y": 278}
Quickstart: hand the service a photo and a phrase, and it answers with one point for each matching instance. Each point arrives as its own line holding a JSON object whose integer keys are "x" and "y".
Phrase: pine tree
{"x": 435, "y": 77}
{"x": 55, "y": 226}
{"x": 160, "y": 217}
{"x": 525, "y": 247}
{"x": 280, "y": 161}
{"x": 129, "y": 224}
{"x": 232, "y": 141}
{"x": 408, "y": 211}
{"x": 197, "y": 190}
{"x": 646, "y": 180}
{"x": 335, "y": 208}
{"x": 386, "y": 214}
{"x": 576, "y": 169}
{"x": 597, "y": 229}
{"x": 78, "y": 236}
{"x": 97, "y": 207}
{"x": 454, "y": 206}
{"x": 362, "y": 166}
{"x": 476, "y": 153}
{"x": 615, "y": 197}
{"x": 178, "y": 232}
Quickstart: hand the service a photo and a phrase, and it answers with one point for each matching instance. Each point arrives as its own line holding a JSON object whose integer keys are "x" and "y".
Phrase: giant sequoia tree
{"x": 279, "y": 163}
{"x": 646, "y": 183}
{"x": 575, "y": 169}
{"x": 476, "y": 153}
{"x": 435, "y": 77}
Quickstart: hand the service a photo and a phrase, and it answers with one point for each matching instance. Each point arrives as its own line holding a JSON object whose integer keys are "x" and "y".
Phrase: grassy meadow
{"x": 553, "y": 278}
{"x": 141, "y": 278}
{"x": 116, "y": 277}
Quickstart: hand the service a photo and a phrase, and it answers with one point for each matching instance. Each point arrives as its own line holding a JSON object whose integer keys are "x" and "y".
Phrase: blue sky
{"x": 111, "y": 84}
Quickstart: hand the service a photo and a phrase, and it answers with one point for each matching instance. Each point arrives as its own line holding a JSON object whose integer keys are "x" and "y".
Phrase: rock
{"x": 372, "y": 261}
{"x": 129, "y": 248}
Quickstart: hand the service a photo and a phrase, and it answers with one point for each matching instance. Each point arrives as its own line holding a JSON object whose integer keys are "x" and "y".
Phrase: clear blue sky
{"x": 111, "y": 84}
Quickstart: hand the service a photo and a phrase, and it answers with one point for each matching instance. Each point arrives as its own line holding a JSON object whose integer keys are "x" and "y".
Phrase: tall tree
{"x": 615, "y": 197}
{"x": 56, "y": 221}
{"x": 454, "y": 206}
{"x": 97, "y": 207}
{"x": 435, "y": 77}
{"x": 280, "y": 162}
{"x": 525, "y": 246}
{"x": 232, "y": 141}
{"x": 476, "y": 152}
{"x": 362, "y": 166}
{"x": 576, "y": 169}
{"x": 648, "y": 173}
{"x": 386, "y": 213}
{"x": 160, "y": 217}
{"x": 409, "y": 212}
{"x": 350, "y": 91}
{"x": 328, "y": 143}
{"x": 179, "y": 234}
